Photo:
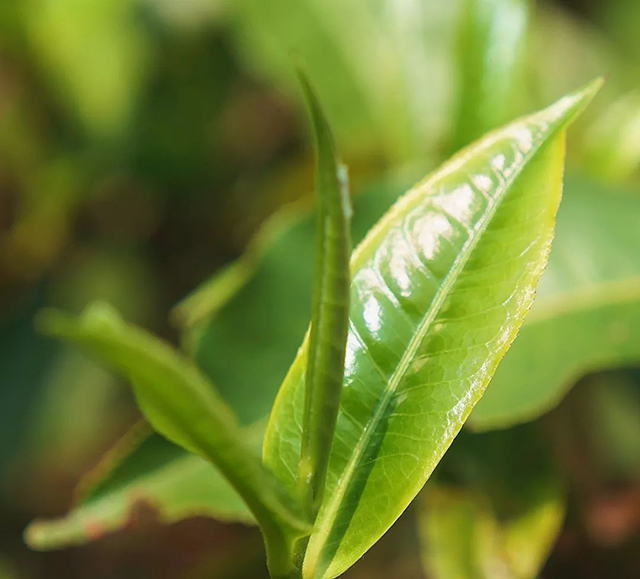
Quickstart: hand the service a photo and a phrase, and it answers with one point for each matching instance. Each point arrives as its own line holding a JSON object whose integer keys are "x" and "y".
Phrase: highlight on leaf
{"x": 440, "y": 287}
{"x": 585, "y": 319}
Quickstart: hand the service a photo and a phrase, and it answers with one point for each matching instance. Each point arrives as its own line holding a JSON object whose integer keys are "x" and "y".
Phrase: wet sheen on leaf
{"x": 586, "y": 316}
{"x": 440, "y": 287}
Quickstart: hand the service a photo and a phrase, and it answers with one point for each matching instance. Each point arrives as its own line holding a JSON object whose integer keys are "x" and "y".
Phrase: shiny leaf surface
{"x": 267, "y": 318}
{"x": 495, "y": 508}
{"x": 586, "y": 316}
{"x": 440, "y": 287}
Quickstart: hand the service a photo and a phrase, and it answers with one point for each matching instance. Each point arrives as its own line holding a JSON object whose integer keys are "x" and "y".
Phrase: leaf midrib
{"x": 421, "y": 331}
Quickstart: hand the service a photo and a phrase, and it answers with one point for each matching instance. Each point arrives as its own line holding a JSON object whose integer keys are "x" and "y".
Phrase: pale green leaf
{"x": 155, "y": 475}
{"x": 183, "y": 405}
{"x": 586, "y": 316}
{"x": 440, "y": 287}
{"x": 490, "y": 64}
{"x": 494, "y": 510}
{"x": 612, "y": 143}
{"x": 94, "y": 54}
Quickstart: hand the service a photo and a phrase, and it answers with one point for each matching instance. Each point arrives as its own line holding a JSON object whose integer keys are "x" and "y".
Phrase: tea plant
{"x": 404, "y": 337}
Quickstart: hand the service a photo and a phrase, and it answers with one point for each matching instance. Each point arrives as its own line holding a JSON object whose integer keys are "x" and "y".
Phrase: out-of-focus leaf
{"x": 188, "y": 14}
{"x": 70, "y": 420}
{"x": 494, "y": 508}
{"x": 490, "y": 66}
{"x": 94, "y": 53}
{"x": 143, "y": 470}
{"x": 440, "y": 288}
{"x": 24, "y": 358}
{"x": 586, "y": 52}
{"x": 183, "y": 405}
{"x": 587, "y": 313}
{"x": 614, "y": 416}
{"x": 49, "y": 199}
{"x": 6, "y": 570}
{"x": 612, "y": 142}
{"x": 374, "y": 63}
{"x": 207, "y": 299}
{"x": 620, "y": 19}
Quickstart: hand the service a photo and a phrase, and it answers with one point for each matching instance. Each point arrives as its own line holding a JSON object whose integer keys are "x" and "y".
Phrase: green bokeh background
{"x": 143, "y": 142}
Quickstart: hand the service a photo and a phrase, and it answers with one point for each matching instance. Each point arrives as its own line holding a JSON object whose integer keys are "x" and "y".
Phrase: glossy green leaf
{"x": 222, "y": 345}
{"x": 330, "y": 318}
{"x": 154, "y": 474}
{"x": 182, "y": 405}
{"x": 440, "y": 287}
{"x": 490, "y": 63}
{"x": 495, "y": 508}
{"x": 586, "y": 316}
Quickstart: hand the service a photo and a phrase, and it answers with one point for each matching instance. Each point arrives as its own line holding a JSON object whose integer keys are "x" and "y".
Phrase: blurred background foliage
{"x": 143, "y": 144}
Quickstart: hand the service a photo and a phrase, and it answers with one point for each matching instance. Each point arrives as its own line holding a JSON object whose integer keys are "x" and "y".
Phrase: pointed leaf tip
{"x": 420, "y": 351}
{"x": 330, "y": 318}
{"x": 568, "y": 107}
{"x": 52, "y": 322}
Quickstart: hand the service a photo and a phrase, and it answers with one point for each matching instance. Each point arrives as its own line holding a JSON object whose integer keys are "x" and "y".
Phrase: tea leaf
{"x": 490, "y": 54}
{"x": 587, "y": 313}
{"x": 329, "y": 324}
{"x": 499, "y": 511}
{"x": 612, "y": 143}
{"x": 156, "y": 475}
{"x": 182, "y": 405}
{"x": 440, "y": 287}
{"x": 267, "y": 318}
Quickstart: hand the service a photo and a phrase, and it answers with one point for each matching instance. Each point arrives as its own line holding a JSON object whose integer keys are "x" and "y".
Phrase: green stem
{"x": 184, "y": 406}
